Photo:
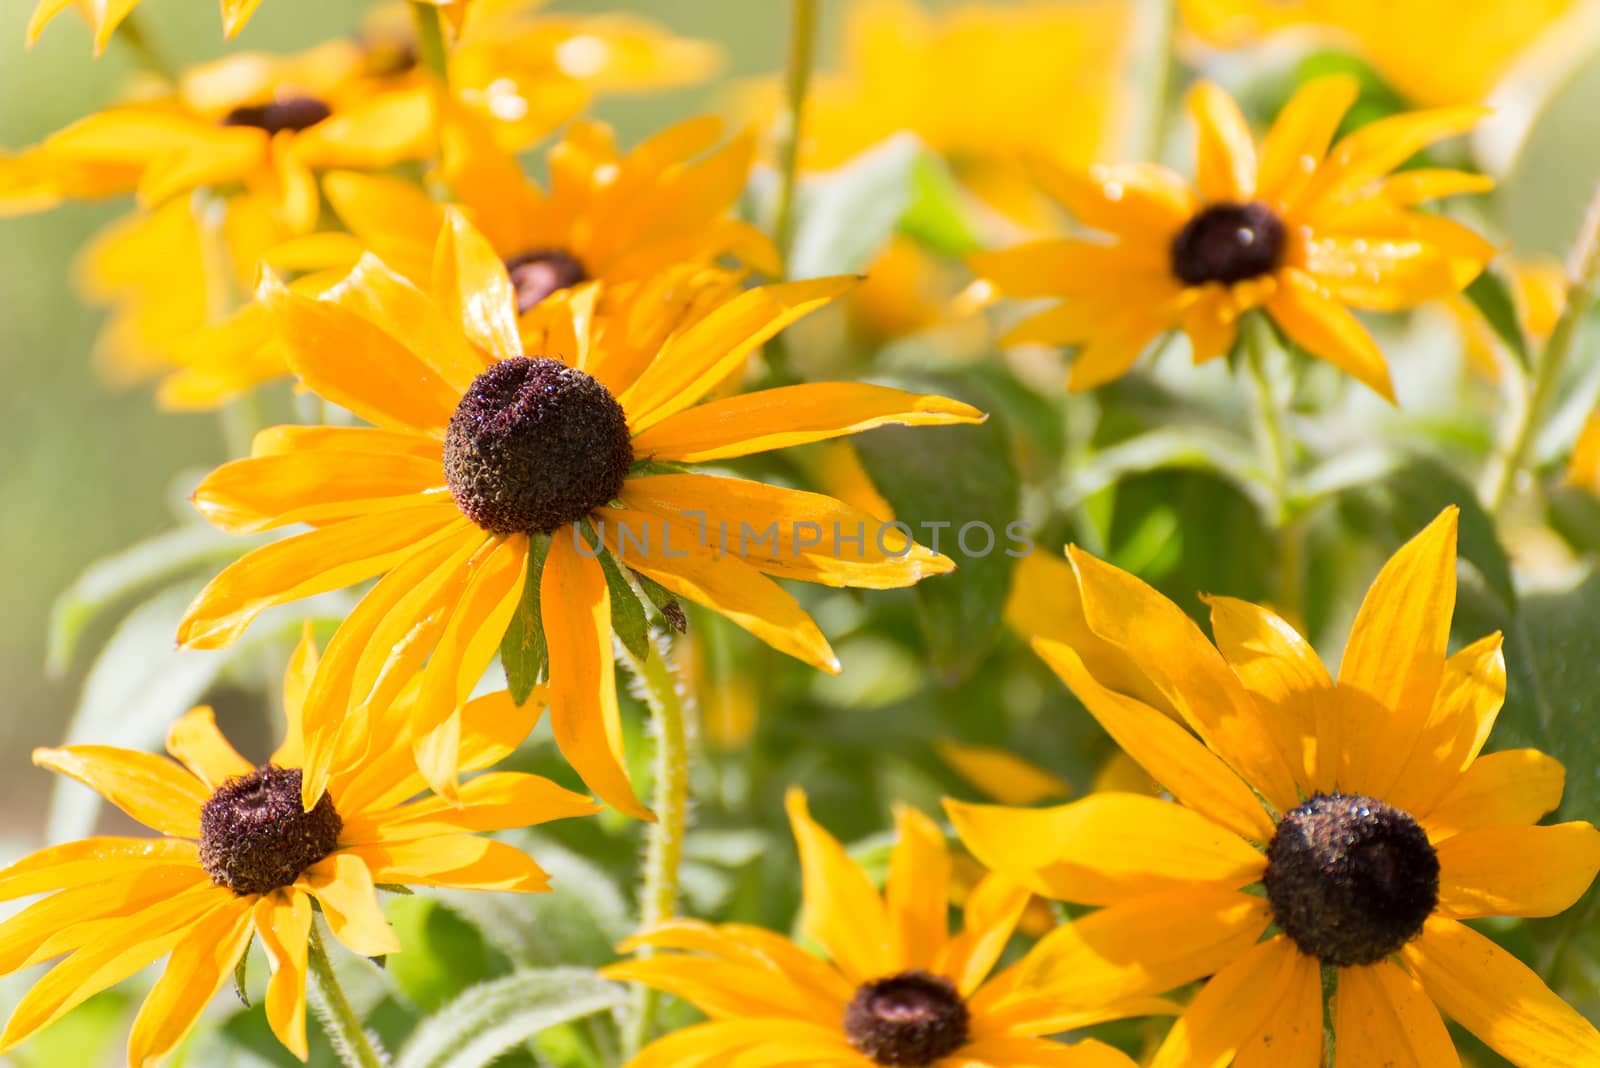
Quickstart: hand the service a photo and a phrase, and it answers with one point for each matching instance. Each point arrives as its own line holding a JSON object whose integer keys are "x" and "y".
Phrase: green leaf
{"x": 844, "y": 218}
{"x": 937, "y": 217}
{"x": 241, "y": 977}
{"x": 444, "y": 952}
{"x": 664, "y": 600}
{"x": 522, "y": 651}
{"x": 493, "y": 1018}
{"x": 963, "y": 477}
{"x": 113, "y": 578}
{"x": 627, "y": 612}
{"x": 1492, "y": 297}
{"x": 1189, "y": 448}
{"x": 1422, "y": 488}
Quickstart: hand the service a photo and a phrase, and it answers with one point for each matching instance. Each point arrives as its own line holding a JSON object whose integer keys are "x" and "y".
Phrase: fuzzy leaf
{"x": 495, "y": 1017}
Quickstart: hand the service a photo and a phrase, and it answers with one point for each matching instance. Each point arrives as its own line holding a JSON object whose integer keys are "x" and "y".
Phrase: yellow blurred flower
{"x": 1297, "y": 229}
{"x": 1001, "y": 775}
{"x": 981, "y": 84}
{"x": 1361, "y": 806}
{"x": 894, "y": 987}
{"x": 240, "y": 857}
{"x": 1539, "y": 293}
{"x": 1469, "y": 43}
{"x": 466, "y": 467}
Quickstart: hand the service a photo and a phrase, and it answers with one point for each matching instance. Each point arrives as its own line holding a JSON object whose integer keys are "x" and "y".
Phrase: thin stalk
{"x": 136, "y": 35}
{"x": 334, "y": 1011}
{"x": 1583, "y": 272}
{"x": 658, "y": 897}
{"x": 431, "y": 51}
{"x": 1150, "y": 77}
{"x": 1273, "y": 436}
{"x": 797, "y": 81}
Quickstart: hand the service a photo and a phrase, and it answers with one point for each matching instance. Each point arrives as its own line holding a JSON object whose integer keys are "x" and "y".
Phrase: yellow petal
{"x": 90, "y": 860}
{"x": 85, "y": 914}
{"x": 1382, "y": 1016}
{"x": 1172, "y": 756}
{"x": 792, "y": 415}
{"x": 842, "y": 912}
{"x": 283, "y": 920}
{"x": 917, "y": 897}
{"x": 1167, "y": 646}
{"x": 695, "y": 360}
{"x": 459, "y": 862}
{"x": 1514, "y": 787}
{"x": 496, "y": 801}
{"x": 1242, "y": 1001}
{"x": 396, "y": 219}
{"x": 477, "y": 624}
{"x": 1381, "y": 146}
{"x": 200, "y": 964}
{"x": 576, "y": 607}
{"x": 195, "y": 742}
{"x": 1301, "y": 134}
{"x": 1105, "y": 847}
{"x": 1226, "y": 167}
{"x": 308, "y": 564}
{"x": 235, "y": 13}
{"x": 1056, "y": 267}
{"x": 152, "y": 789}
{"x": 726, "y": 990}
{"x": 1470, "y": 695}
{"x": 1396, "y": 652}
{"x": 373, "y": 133}
{"x": 1292, "y": 1036}
{"x": 245, "y": 496}
{"x": 470, "y": 281}
{"x": 1498, "y": 998}
{"x": 989, "y": 917}
{"x": 810, "y": 978}
{"x": 1516, "y": 871}
{"x": 782, "y": 532}
{"x": 1000, "y": 775}
{"x": 343, "y": 886}
{"x": 1139, "y": 201}
{"x": 1328, "y": 331}
{"x": 344, "y": 440}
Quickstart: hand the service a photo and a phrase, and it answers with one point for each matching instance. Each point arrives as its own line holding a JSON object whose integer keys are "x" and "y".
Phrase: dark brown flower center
{"x": 534, "y": 445}
{"x": 539, "y": 272}
{"x": 255, "y": 836}
{"x": 1350, "y": 879}
{"x": 913, "y": 1018}
{"x": 293, "y": 113}
{"x": 1228, "y": 243}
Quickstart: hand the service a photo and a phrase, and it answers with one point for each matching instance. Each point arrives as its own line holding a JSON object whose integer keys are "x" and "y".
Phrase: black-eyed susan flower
{"x": 1470, "y": 47}
{"x": 240, "y": 857}
{"x": 1360, "y": 805}
{"x": 483, "y": 449}
{"x": 980, "y": 84}
{"x": 1294, "y": 228}
{"x": 895, "y": 987}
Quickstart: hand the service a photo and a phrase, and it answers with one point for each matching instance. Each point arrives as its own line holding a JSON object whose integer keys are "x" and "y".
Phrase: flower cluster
{"x": 526, "y": 373}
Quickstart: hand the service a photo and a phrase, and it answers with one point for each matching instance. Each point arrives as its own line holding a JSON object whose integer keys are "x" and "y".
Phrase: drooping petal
{"x": 1382, "y": 1016}
{"x": 1173, "y": 757}
{"x": 91, "y": 860}
{"x": 576, "y": 607}
{"x": 842, "y": 912}
{"x": 792, "y": 415}
{"x": 1327, "y": 330}
{"x": 317, "y": 488}
{"x": 1498, "y": 998}
{"x": 1242, "y": 1000}
{"x": 83, "y": 914}
{"x": 1105, "y": 847}
{"x": 496, "y": 801}
{"x": 1292, "y": 1036}
{"x": 1514, "y": 787}
{"x": 283, "y": 920}
{"x": 200, "y": 964}
{"x": 195, "y": 742}
{"x": 152, "y": 789}
{"x": 1226, "y": 167}
{"x": 1516, "y": 871}
{"x": 458, "y": 862}
{"x": 343, "y": 886}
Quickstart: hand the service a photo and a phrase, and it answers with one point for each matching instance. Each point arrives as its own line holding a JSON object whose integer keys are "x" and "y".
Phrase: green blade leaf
{"x": 664, "y": 600}
{"x": 492, "y": 1018}
{"x": 627, "y": 613}
{"x": 522, "y": 651}
{"x": 1492, "y": 297}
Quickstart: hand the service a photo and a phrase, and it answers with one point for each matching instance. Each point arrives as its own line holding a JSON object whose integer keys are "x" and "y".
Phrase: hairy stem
{"x": 334, "y": 1011}
{"x": 658, "y": 898}
{"x": 1278, "y": 454}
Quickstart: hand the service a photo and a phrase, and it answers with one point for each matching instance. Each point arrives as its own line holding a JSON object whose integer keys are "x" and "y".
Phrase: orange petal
{"x": 1382, "y": 1016}
{"x": 1264, "y": 988}
{"x": 152, "y": 789}
{"x": 195, "y": 742}
{"x": 1226, "y": 169}
{"x": 1328, "y": 331}
{"x": 1516, "y": 871}
{"x": 1514, "y": 787}
{"x": 842, "y": 912}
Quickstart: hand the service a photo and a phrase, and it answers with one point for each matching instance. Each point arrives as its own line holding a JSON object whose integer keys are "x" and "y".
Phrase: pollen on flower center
{"x": 1350, "y": 879}
{"x": 255, "y": 836}
{"x": 539, "y": 272}
{"x": 1228, "y": 243}
{"x": 293, "y": 113}
{"x": 534, "y": 445}
{"x": 913, "y": 1018}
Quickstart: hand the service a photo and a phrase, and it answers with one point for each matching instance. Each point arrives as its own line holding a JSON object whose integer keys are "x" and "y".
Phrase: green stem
{"x": 333, "y": 1009}
{"x": 431, "y": 50}
{"x": 658, "y": 898}
{"x": 1582, "y": 288}
{"x": 1151, "y": 75}
{"x": 135, "y": 34}
{"x": 1278, "y": 451}
{"x": 802, "y": 54}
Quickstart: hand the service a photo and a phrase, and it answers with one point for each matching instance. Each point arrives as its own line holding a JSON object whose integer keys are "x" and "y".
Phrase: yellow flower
{"x": 980, "y": 84}
{"x": 104, "y": 17}
{"x": 1539, "y": 292}
{"x": 1469, "y": 45}
{"x": 1361, "y": 805}
{"x": 464, "y": 472}
{"x": 240, "y": 857}
{"x": 895, "y": 987}
{"x": 1298, "y": 230}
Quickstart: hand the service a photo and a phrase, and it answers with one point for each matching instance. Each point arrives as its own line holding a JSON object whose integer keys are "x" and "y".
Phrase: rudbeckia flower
{"x": 1298, "y": 230}
{"x": 484, "y": 451}
{"x": 1361, "y": 806}
{"x": 979, "y": 84}
{"x": 240, "y": 857}
{"x": 1469, "y": 45}
{"x": 895, "y": 986}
